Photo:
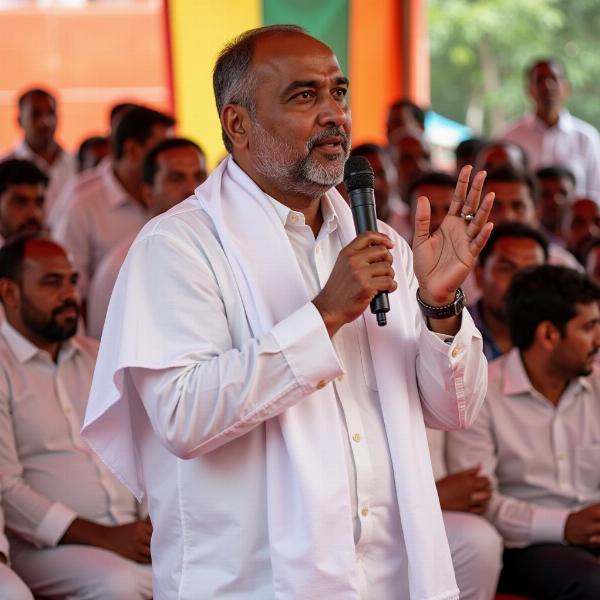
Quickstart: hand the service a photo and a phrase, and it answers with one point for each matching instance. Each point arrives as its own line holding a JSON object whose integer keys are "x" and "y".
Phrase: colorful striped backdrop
{"x": 380, "y": 44}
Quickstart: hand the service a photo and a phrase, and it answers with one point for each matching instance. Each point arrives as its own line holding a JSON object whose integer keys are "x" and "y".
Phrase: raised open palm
{"x": 443, "y": 258}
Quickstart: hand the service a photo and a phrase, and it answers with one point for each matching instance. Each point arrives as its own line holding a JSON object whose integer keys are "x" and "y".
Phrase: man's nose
{"x": 333, "y": 113}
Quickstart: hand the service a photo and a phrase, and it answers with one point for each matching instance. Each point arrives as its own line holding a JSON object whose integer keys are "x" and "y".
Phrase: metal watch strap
{"x": 443, "y": 312}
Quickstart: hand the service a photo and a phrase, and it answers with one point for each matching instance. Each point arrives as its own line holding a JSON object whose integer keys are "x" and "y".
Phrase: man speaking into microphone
{"x": 244, "y": 386}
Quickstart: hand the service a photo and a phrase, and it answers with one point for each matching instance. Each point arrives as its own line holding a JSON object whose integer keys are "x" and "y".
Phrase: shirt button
{"x": 561, "y": 457}
{"x": 293, "y": 218}
{"x": 356, "y": 437}
{"x": 456, "y": 351}
{"x": 321, "y": 384}
{"x": 364, "y": 512}
{"x": 317, "y": 250}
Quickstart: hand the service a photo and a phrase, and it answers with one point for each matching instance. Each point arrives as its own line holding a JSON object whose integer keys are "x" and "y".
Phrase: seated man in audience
{"x": 517, "y": 199}
{"x": 439, "y": 188}
{"x": 475, "y": 545}
{"x": 512, "y": 246}
{"x": 38, "y": 119}
{"x": 581, "y": 223}
{"x": 172, "y": 170}
{"x": 112, "y": 207}
{"x": 538, "y": 437}
{"x": 551, "y": 135}
{"x": 75, "y": 531}
{"x": 557, "y": 192}
{"x": 22, "y": 198}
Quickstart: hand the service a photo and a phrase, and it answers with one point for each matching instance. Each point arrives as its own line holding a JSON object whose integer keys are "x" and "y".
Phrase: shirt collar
{"x": 117, "y": 195}
{"x": 23, "y": 150}
{"x": 287, "y": 216}
{"x": 564, "y": 123}
{"x": 24, "y": 350}
{"x": 517, "y": 382}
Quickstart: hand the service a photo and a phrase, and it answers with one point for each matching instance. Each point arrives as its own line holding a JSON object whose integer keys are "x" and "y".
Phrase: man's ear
{"x": 235, "y": 121}
{"x": 547, "y": 335}
{"x": 9, "y": 293}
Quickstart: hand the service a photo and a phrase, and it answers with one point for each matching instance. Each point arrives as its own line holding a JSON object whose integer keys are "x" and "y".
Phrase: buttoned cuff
{"x": 54, "y": 524}
{"x": 457, "y": 344}
{"x": 548, "y": 524}
{"x": 304, "y": 342}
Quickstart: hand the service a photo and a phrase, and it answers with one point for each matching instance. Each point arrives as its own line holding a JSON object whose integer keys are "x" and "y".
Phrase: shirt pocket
{"x": 587, "y": 466}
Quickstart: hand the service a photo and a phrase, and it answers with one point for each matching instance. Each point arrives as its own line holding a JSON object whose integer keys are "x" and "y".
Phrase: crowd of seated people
{"x": 519, "y": 491}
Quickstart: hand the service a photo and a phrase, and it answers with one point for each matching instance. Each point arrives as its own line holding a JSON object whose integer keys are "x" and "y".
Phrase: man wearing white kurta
{"x": 276, "y": 430}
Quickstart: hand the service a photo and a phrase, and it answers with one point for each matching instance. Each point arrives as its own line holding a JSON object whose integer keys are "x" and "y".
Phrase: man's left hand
{"x": 443, "y": 259}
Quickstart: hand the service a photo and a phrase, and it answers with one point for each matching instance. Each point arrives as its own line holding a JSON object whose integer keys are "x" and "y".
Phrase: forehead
{"x": 437, "y": 194}
{"x": 556, "y": 182}
{"x": 39, "y": 102}
{"x": 43, "y": 256}
{"x": 184, "y": 157}
{"x": 519, "y": 250}
{"x": 24, "y": 189}
{"x": 585, "y": 312}
{"x": 546, "y": 69}
{"x": 508, "y": 190}
{"x": 281, "y": 58}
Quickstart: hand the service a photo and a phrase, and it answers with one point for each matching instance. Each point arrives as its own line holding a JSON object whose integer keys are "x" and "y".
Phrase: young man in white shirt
{"x": 538, "y": 437}
{"x": 172, "y": 170}
{"x": 38, "y": 119}
{"x": 111, "y": 207}
{"x": 551, "y": 135}
{"x": 74, "y": 529}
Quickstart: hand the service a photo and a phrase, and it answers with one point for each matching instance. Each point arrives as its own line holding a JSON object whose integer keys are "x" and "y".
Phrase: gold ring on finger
{"x": 468, "y": 217}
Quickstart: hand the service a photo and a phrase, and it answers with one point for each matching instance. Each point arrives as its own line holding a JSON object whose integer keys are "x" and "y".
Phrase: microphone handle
{"x": 365, "y": 219}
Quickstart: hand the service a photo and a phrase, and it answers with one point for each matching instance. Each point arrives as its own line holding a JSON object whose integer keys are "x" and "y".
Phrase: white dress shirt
{"x": 49, "y": 475}
{"x": 572, "y": 143}
{"x": 100, "y": 215}
{"x": 101, "y": 287}
{"x": 193, "y": 402}
{"x": 543, "y": 460}
{"x": 60, "y": 172}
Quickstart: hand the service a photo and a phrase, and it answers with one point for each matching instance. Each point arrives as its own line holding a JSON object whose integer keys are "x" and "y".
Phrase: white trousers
{"x": 476, "y": 549}
{"x": 11, "y": 587}
{"x": 73, "y": 572}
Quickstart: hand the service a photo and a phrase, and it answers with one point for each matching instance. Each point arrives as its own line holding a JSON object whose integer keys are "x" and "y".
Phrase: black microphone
{"x": 359, "y": 181}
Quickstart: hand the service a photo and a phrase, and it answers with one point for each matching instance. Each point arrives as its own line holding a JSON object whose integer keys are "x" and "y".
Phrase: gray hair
{"x": 233, "y": 81}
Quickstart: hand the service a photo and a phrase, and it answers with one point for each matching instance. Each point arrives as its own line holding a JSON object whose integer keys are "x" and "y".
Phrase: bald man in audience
{"x": 172, "y": 170}
{"x": 496, "y": 154}
{"x": 75, "y": 531}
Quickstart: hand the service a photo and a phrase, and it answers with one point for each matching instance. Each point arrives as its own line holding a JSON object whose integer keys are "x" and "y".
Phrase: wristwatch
{"x": 443, "y": 312}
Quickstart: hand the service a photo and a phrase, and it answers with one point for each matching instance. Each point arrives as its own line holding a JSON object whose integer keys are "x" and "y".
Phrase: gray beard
{"x": 276, "y": 159}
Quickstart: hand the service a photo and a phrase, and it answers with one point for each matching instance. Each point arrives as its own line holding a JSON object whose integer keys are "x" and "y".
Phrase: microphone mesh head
{"x": 358, "y": 173}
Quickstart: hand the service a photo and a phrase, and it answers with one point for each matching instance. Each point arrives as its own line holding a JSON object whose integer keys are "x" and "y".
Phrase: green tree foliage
{"x": 480, "y": 48}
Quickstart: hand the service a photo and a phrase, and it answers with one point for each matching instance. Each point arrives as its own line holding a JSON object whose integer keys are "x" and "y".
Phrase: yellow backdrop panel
{"x": 199, "y": 29}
